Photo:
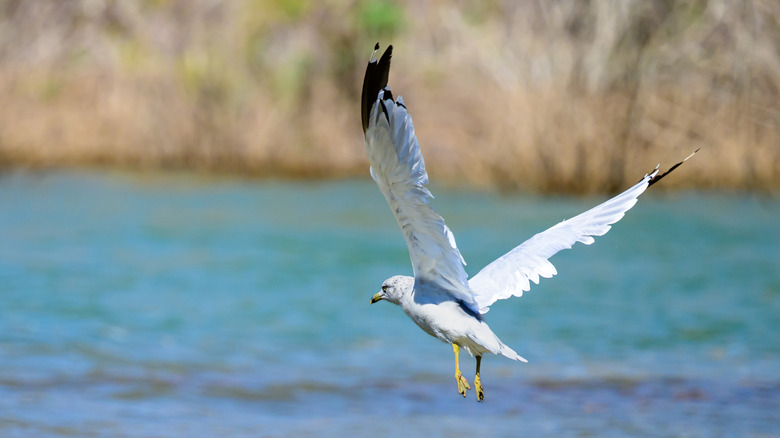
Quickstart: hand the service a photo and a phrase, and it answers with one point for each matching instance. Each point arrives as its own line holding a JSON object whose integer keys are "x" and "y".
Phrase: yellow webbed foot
{"x": 478, "y": 388}
{"x": 463, "y": 384}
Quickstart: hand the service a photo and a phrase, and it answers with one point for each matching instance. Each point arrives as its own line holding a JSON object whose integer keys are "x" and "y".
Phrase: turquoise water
{"x": 174, "y": 305}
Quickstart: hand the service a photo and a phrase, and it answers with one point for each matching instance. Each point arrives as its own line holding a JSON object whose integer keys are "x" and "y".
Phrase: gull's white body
{"x": 436, "y": 312}
{"x": 440, "y": 298}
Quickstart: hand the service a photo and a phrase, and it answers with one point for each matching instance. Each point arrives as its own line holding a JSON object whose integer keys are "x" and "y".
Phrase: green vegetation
{"x": 547, "y": 96}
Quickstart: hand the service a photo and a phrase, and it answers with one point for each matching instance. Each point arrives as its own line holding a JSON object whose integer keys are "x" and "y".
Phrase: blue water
{"x": 148, "y": 305}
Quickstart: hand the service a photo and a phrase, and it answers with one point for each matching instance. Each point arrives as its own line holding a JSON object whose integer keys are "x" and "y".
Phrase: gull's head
{"x": 394, "y": 289}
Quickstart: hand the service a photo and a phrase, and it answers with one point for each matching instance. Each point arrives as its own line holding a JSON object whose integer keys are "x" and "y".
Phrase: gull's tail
{"x": 510, "y": 354}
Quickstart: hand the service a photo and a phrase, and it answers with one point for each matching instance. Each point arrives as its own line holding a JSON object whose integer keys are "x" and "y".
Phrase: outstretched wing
{"x": 511, "y": 274}
{"x": 398, "y": 168}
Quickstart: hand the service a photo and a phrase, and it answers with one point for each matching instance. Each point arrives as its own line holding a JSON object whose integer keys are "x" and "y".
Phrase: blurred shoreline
{"x": 558, "y": 96}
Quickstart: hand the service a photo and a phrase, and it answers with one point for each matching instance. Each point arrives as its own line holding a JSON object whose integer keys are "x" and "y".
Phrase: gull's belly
{"x": 446, "y": 320}
{"x": 450, "y": 322}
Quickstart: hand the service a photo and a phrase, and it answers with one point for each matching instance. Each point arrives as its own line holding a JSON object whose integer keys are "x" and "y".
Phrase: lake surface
{"x": 149, "y": 305}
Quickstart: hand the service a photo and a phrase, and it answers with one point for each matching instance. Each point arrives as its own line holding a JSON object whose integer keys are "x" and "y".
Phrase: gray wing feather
{"x": 512, "y": 274}
{"x": 398, "y": 168}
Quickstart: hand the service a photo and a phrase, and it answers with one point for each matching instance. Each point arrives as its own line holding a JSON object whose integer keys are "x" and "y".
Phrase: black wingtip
{"x": 377, "y": 74}
{"x": 657, "y": 178}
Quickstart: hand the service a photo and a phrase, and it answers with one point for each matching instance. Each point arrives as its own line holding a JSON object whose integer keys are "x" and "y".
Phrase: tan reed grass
{"x": 554, "y": 96}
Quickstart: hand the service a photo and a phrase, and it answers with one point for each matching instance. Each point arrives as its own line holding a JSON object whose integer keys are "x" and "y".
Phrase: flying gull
{"x": 440, "y": 298}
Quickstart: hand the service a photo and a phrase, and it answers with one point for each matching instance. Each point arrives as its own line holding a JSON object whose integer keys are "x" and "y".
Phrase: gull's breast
{"x": 443, "y": 319}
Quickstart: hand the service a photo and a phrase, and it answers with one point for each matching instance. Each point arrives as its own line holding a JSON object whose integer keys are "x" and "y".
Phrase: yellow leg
{"x": 478, "y": 382}
{"x": 463, "y": 384}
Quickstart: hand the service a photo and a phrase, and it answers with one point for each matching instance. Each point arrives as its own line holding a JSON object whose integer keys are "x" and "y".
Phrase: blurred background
{"x": 545, "y": 96}
{"x": 189, "y": 237}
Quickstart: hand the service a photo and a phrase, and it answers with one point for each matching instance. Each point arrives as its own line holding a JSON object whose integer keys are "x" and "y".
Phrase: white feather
{"x": 509, "y": 275}
{"x": 398, "y": 168}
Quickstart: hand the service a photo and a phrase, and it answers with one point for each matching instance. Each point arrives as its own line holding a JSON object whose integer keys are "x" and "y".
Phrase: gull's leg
{"x": 463, "y": 384}
{"x": 477, "y": 382}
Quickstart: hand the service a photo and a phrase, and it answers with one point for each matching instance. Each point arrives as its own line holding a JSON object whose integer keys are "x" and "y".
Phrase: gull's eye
{"x": 384, "y": 288}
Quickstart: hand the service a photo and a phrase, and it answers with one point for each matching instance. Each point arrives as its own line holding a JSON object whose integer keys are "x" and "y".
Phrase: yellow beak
{"x": 377, "y": 296}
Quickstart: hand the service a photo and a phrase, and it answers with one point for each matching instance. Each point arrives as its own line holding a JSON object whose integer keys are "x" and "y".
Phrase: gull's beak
{"x": 377, "y": 296}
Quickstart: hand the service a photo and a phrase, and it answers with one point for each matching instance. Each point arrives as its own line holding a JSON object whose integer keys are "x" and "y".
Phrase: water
{"x": 174, "y": 305}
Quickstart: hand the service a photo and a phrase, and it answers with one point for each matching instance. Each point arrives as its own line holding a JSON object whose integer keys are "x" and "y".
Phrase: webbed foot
{"x": 478, "y": 389}
{"x": 463, "y": 384}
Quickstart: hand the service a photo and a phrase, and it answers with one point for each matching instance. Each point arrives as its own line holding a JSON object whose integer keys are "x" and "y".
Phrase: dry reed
{"x": 535, "y": 95}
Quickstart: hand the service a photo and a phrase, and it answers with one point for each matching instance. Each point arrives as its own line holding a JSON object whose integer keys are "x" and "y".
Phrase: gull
{"x": 440, "y": 298}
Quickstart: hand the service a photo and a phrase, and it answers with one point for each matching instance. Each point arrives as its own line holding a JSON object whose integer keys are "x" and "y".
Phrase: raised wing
{"x": 512, "y": 274}
{"x": 398, "y": 168}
